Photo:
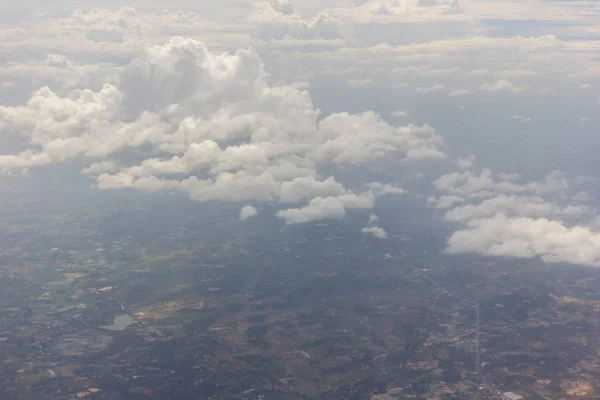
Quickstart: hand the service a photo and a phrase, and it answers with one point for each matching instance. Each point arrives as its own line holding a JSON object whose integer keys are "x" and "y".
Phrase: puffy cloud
{"x": 183, "y": 118}
{"x": 466, "y": 162}
{"x": 499, "y": 216}
{"x": 435, "y": 88}
{"x": 302, "y": 189}
{"x": 276, "y": 20}
{"x": 503, "y": 85}
{"x": 108, "y": 24}
{"x": 523, "y": 237}
{"x": 521, "y": 118}
{"x": 248, "y": 212}
{"x": 101, "y": 167}
{"x": 534, "y": 207}
{"x": 109, "y": 35}
{"x": 399, "y": 113}
{"x": 354, "y": 139}
{"x": 485, "y": 183}
{"x": 380, "y": 189}
{"x": 375, "y": 231}
{"x": 373, "y": 219}
{"x": 459, "y": 92}
{"x": 121, "y": 18}
{"x": 321, "y": 208}
{"x": 58, "y": 61}
{"x": 444, "y": 202}
{"x": 283, "y": 6}
{"x": 388, "y": 11}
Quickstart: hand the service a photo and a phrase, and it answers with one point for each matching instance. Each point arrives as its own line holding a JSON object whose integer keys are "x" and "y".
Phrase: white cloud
{"x": 101, "y": 167}
{"x": 380, "y": 189}
{"x": 318, "y": 209}
{"x": 302, "y": 189}
{"x": 435, "y": 88}
{"x": 390, "y": 11}
{"x": 399, "y": 113}
{"x": 521, "y": 118}
{"x": 373, "y": 219}
{"x": 471, "y": 183}
{"x": 376, "y": 231}
{"x": 321, "y": 208}
{"x": 212, "y": 125}
{"x": 478, "y": 72}
{"x": 534, "y": 207}
{"x": 460, "y": 92}
{"x": 360, "y": 82}
{"x": 277, "y": 20}
{"x": 354, "y": 139}
{"x": 466, "y": 162}
{"x": 444, "y": 202}
{"x": 584, "y": 120}
{"x": 283, "y": 6}
{"x": 500, "y": 216}
{"x": 585, "y": 86}
{"x": 522, "y": 237}
{"x": 503, "y": 85}
{"x": 248, "y": 212}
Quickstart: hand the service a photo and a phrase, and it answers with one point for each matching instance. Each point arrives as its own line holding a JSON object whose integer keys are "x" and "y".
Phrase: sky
{"x": 486, "y": 111}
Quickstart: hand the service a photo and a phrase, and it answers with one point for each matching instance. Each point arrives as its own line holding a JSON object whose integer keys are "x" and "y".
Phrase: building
{"x": 511, "y": 396}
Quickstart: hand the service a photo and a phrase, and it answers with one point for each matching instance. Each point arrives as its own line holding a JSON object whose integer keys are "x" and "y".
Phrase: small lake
{"x": 121, "y": 322}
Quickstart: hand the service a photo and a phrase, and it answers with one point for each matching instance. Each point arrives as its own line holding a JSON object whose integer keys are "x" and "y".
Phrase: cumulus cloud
{"x": 503, "y": 85}
{"x": 435, "y": 88}
{"x": 380, "y": 189}
{"x": 444, "y": 202}
{"x": 247, "y": 212}
{"x": 498, "y": 215}
{"x": 277, "y": 20}
{"x": 282, "y": 6}
{"x": 460, "y": 92}
{"x": 478, "y": 73}
{"x": 321, "y": 208}
{"x": 388, "y": 11}
{"x": 376, "y": 231}
{"x": 526, "y": 206}
{"x": 302, "y": 189}
{"x": 213, "y": 126}
{"x": 523, "y": 237}
{"x": 484, "y": 183}
{"x": 521, "y": 118}
{"x": 360, "y": 82}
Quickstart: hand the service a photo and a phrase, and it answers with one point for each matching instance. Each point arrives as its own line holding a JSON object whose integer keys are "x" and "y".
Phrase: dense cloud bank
{"x": 504, "y": 215}
{"x": 211, "y": 125}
